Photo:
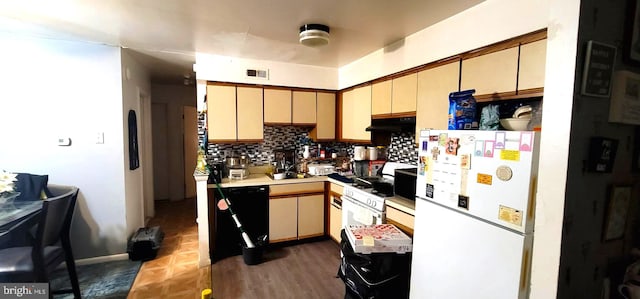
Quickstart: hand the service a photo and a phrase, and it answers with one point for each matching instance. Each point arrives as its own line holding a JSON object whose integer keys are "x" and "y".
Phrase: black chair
{"x": 50, "y": 246}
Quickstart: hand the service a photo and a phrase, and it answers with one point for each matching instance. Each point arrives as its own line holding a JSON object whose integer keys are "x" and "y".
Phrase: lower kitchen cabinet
{"x": 335, "y": 211}
{"x": 310, "y": 216}
{"x": 283, "y": 219}
{"x": 296, "y": 211}
{"x": 402, "y": 220}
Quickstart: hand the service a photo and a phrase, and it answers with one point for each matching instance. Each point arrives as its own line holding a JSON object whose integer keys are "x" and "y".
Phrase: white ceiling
{"x": 167, "y": 33}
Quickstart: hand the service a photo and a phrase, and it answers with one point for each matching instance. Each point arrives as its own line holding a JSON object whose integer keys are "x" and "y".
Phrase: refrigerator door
{"x": 487, "y": 174}
{"x": 457, "y": 256}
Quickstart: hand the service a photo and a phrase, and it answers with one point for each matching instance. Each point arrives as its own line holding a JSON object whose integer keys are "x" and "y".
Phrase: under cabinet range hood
{"x": 393, "y": 125}
{"x": 382, "y": 129}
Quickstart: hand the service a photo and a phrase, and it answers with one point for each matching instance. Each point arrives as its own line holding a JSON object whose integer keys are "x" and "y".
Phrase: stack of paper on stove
{"x": 378, "y": 238}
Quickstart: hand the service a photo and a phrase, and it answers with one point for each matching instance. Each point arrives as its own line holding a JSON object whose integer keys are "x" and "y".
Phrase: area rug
{"x": 110, "y": 280}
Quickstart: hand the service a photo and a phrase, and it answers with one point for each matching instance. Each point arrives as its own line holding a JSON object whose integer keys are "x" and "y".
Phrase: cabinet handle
{"x": 335, "y": 205}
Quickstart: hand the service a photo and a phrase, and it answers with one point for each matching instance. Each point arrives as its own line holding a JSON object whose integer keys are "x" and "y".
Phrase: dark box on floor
{"x": 144, "y": 243}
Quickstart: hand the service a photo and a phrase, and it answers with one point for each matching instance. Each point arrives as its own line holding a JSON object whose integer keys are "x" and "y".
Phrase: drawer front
{"x": 336, "y": 188}
{"x": 400, "y": 217}
{"x": 296, "y": 189}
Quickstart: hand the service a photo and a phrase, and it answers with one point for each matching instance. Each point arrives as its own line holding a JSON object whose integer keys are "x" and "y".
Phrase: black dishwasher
{"x": 251, "y": 206}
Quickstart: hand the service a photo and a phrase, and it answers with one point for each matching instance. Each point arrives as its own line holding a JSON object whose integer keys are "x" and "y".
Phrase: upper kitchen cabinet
{"x": 492, "y": 75}
{"x": 395, "y": 97}
{"x": 381, "y": 99}
{"x": 356, "y": 114}
{"x": 434, "y": 86}
{"x": 532, "y": 66}
{"x": 304, "y": 108}
{"x": 250, "y": 111}
{"x": 325, "y": 129}
{"x": 221, "y": 113}
{"x": 403, "y": 95}
{"x": 277, "y": 106}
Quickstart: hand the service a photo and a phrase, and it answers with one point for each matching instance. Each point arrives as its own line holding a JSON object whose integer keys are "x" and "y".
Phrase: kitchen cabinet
{"x": 277, "y": 106}
{"x": 402, "y": 220}
{"x": 403, "y": 94}
{"x": 325, "y": 129}
{"x": 395, "y": 97}
{"x": 296, "y": 211}
{"x": 532, "y": 65}
{"x": 250, "y": 111}
{"x": 304, "y": 107}
{"x": 356, "y": 114}
{"x": 283, "y": 219}
{"x": 335, "y": 211}
{"x": 310, "y": 216}
{"x": 221, "y": 112}
{"x": 434, "y": 86}
{"x": 234, "y": 113}
{"x": 491, "y": 74}
{"x": 381, "y": 98}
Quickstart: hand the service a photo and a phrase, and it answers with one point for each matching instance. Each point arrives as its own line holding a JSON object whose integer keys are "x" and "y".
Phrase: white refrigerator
{"x": 475, "y": 203}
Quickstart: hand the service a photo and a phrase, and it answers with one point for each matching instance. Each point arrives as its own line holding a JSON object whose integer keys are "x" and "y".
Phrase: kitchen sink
{"x": 292, "y": 176}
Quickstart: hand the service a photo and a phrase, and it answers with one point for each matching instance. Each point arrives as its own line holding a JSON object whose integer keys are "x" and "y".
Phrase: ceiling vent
{"x": 314, "y": 35}
{"x": 259, "y": 74}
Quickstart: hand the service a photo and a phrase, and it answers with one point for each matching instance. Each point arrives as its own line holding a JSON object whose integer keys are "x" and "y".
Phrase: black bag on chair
{"x": 144, "y": 243}
{"x": 374, "y": 275}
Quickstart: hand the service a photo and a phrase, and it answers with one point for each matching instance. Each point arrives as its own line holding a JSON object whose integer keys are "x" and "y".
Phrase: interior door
{"x": 190, "y": 143}
{"x": 160, "y": 153}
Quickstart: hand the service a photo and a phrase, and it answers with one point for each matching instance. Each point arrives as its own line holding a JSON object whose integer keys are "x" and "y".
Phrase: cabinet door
{"x": 221, "y": 112}
{"x": 250, "y": 123}
{"x": 304, "y": 107}
{"x": 434, "y": 86}
{"x": 326, "y": 118}
{"x": 335, "y": 222}
{"x": 532, "y": 65}
{"x": 277, "y": 106}
{"x": 283, "y": 219}
{"x": 347, "y": 115}
{"x": 403, "y": 94}
{"x": 491, "y": 73}
{"x": 381, "y": 98}
{"x": 361, "y": 113}
{"x": 310, "y": 216}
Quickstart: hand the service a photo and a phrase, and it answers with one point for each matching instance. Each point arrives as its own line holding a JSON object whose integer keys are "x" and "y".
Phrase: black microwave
{"x": 404, "y": 182}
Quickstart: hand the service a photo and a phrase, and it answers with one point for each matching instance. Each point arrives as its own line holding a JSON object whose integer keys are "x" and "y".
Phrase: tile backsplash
{"x": 402, "y": 148}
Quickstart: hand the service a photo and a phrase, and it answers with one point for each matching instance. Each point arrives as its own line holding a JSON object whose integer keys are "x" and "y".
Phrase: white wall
{"x": 231, "y": 69}
{"x": 135, "y": 81}
{"x": 171, "y": 185}
{"x": 54, "y": 89}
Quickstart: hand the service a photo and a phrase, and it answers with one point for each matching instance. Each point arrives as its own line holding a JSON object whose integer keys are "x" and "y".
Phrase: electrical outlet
{"x": 100, "y": 138}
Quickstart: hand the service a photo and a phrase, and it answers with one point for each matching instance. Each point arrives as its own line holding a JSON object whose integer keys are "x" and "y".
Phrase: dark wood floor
{"x": 300, "y": 271}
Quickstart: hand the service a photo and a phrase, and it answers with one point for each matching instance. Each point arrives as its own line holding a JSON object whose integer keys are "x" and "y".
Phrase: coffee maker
{"x": 216, "y": 172}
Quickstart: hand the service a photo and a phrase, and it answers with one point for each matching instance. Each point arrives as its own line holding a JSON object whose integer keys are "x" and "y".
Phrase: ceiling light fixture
{"x": 314, "y": 35}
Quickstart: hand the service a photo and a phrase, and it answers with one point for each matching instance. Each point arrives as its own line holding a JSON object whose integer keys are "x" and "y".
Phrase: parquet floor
{"x": 174, "y": 273}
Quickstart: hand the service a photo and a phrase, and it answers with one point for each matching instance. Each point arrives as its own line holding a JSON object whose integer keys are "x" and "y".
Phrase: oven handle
{"x": 335, "y": 205}
{"x": 355, "y": 202}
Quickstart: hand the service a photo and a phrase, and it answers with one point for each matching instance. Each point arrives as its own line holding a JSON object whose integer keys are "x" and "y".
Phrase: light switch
{"x": 100, "y": 138}
{"x": 64, "y": 141}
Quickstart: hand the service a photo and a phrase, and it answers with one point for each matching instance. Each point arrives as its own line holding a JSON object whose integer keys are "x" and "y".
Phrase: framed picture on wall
{"x": 598, "y": 69}
{"x": 615, "y": 220}
{"x": 632, "y": 33}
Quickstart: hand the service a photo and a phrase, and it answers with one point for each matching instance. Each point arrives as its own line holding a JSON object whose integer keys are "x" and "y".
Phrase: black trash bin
{"x": 374, "y": 275}
{"x": 252, "y": 256}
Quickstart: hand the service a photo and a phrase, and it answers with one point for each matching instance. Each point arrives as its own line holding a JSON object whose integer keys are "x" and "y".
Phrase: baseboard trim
{"x": 102, "y": 259}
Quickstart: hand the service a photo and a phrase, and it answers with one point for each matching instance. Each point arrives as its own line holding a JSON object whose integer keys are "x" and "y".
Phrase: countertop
{"x": 261, "y": 179}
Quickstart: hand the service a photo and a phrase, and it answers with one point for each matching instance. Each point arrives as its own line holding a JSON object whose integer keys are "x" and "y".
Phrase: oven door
{"x": 356, "y": 213}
